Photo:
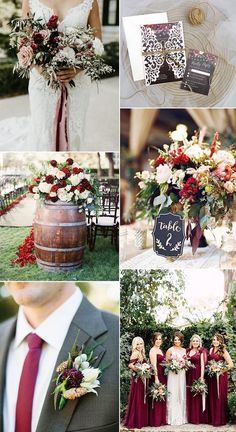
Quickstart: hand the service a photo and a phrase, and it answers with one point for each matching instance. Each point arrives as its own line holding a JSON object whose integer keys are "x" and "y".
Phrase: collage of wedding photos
{"x": 117, "y": 216}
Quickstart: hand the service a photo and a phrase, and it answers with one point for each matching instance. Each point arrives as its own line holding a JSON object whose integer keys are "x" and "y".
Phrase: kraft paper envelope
{"x": 133, "y": 37}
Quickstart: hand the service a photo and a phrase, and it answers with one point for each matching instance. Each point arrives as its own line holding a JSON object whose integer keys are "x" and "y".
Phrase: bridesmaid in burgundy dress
{"x": 196, "y": 405}
{"x": 157, "y": 411}
{"x": 218, "y": 395}
{"x": 137, "y": 409}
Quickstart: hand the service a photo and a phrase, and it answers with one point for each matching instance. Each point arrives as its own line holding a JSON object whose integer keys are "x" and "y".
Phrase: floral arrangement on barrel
{"x": 44, "y": 44}
{"x": 192, "y": 178}
{"x": 66, "y": 181}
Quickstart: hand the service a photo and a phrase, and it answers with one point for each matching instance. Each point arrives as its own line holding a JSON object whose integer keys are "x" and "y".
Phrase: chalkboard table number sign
{"x": 168, "y": 235}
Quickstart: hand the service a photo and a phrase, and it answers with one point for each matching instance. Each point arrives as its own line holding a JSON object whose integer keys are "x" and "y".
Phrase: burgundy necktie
{"x": 27, "y": 384}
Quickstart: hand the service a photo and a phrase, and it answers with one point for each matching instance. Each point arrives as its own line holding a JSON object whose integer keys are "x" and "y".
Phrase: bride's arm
{"x": 25, "y": 8}
{"x": 94, "y": 20}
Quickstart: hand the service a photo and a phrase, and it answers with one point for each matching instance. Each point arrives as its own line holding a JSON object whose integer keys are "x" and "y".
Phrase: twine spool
{"x": 196, "y": 16}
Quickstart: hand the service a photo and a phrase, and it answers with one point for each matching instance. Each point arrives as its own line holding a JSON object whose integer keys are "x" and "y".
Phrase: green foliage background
{"x": 141, "y": 294}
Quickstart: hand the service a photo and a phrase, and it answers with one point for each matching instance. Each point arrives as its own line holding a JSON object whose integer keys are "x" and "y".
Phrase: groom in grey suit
{"x": 58, "y": 313}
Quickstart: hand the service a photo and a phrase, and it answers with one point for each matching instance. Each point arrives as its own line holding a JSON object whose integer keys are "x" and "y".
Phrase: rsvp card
{"x": 133, "y": 38}
{"x": 199, "y": 72}
{"x": 163, "y": 52}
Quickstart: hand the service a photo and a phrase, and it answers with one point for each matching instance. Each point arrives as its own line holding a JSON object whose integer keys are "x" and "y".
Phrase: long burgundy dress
{"x": 218, "y": 402}
{"x": 195, "y": 413}
{"x": 157, "y": 413}
{"x": 136, "y": 415}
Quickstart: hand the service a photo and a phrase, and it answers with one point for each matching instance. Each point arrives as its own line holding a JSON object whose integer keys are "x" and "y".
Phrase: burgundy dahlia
{"x": 49, "y": 179}
{"x": 38, "y": 37}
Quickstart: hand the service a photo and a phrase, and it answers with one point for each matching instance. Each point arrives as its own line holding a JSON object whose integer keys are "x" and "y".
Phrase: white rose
{"x": 145, "y": 175}
{"x": 163, "y": 174}
{"x": 68, "y": 188}
{"x": 87, "y": 176}
{"x": 74, "y": 179}
{"x": 64, "y": 196}
{"x": 194, "y": 152}
{"x": 44, "y": 187}
{"x": 60, "y": 174}
{"x": 223, "y": 156}
{"x": 35, "y": 189}
{"x": 98, "y": 47}
{"x": 53, "y": 194}
{"x": 90, "y": 375}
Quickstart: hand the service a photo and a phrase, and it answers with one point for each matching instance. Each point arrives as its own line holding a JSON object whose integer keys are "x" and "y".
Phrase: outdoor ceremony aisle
{"x": 21, "y": 215}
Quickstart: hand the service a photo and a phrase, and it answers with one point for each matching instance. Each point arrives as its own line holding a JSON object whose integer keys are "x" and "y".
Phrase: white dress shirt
{"x": 53, "y": 331}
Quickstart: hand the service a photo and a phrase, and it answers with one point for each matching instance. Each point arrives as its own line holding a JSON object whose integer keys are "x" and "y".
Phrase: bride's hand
{"x": 67, "y": 75}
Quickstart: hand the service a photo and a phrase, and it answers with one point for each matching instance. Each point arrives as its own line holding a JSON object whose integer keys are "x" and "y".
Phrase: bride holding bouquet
{"x": 62, "y": 55}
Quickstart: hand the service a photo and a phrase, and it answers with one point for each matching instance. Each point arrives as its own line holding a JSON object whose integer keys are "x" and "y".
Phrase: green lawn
{"x": 101, "y": 264}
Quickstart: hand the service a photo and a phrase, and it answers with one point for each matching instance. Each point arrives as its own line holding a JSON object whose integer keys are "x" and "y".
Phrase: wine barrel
{"x": 60, "y": 236}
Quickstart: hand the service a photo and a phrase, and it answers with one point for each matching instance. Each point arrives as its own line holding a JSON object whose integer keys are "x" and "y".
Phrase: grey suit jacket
{"x": 89, "y": 413}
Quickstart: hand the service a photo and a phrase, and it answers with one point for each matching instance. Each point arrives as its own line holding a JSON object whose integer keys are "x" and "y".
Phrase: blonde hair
{"x": 135, "y": 341}
{"x": 191, "y": 341}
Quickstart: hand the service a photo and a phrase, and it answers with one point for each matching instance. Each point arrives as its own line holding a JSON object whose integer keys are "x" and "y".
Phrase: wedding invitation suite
{"x": 133, "y": 38}
{"x": 199, "y": 71}
{"x": 163, "y": 52}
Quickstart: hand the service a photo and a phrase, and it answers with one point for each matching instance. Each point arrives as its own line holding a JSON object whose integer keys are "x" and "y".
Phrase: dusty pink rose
{"x": 25, "y": 56}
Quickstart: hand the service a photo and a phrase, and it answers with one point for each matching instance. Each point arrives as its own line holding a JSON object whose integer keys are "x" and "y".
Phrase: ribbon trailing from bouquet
{"x": 203, "y": 401}
{"x": 218, "y": 384}
{"x": 61, "y": 122}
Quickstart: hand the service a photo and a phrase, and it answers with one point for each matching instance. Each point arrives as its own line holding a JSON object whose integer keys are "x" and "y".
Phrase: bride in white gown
{"x": 176, "y": 385}
{"x": 43, "y": 100}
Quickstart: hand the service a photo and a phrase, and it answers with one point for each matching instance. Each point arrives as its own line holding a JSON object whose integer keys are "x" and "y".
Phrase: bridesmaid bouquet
{"x": 66, "y": 181}
{"x": 176, "y": 364}
{"x": 43, "y": 44}
{"x": 214, "y": 368}
{"x": 192, "y": 178}
{"x": 198, "y": 387}
{"x": 143, "y": 371}
{"x": 158, "y": 393}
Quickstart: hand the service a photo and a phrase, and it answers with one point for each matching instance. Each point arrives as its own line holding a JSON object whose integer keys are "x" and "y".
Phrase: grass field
{"x": 101, "y": 264}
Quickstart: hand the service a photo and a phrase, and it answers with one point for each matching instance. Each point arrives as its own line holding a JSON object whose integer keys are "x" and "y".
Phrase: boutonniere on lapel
{"x": 76, "y": 376}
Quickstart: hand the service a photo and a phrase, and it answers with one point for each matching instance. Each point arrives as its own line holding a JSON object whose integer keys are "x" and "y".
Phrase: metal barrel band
{"x": 45, "y": 248}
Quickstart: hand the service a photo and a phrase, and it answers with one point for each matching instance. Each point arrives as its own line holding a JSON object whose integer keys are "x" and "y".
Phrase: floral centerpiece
{"x": 192, "y": 178}
{"x": 199, "y": 387}
{"x": 66, "y": 181}
{"x": 177, "y": 364}
{"x": 214, "y": 368}
{"x": 44, "y": 44}
{"x": 158, "y": 392}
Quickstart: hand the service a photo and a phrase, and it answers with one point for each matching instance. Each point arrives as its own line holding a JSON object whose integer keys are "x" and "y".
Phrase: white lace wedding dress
{"x": 43, "y": 100}
{"x": 176, "y": 386}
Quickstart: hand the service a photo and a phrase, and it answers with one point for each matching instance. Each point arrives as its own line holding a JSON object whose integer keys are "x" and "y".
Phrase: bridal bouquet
{"x": 76, "y": 376}
{"x": 192, "y": 178}
{"x": 177, "y": 364}
{"x": 214, "y": 368}
{"x": 158, "y": 392}
{"x": 198, "y": 387}
{"x": 66, "y": 181}
{"x": 43, "y": 44}
{"x": 143, "y": 371}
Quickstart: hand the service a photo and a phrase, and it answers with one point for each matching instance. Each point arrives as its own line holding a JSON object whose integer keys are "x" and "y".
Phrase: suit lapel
{"x": 8, "y": 335}
{"x": 88, "y": 321}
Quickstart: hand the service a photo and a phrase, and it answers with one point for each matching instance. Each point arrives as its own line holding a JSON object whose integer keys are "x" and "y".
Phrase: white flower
{"x": 65, "y": 53}
{"x": 163, "y": 174}
{"x": 68, "y": 188}
{"x": 224, "y": 156}
{"x": 145, "y": 175}
{"x": 87, "y": 176}
{"x": 36, "y": 196}
{"x": 60, "y": 174}
{"x": 44, "y": 187}
{"x": 35, "y": 189}
{"x": 63, "y": 195}
{"x": 178, "y": 177}
{"x": 53, "y": 194}
{"x": 89, "y": 200}
{"x": 98, "y": 47}
{"x": 84, "y": 195}
{"x": 142, "y": 185}
{"x": 90, "y": 377}
{"x": 75, "y": 179}
{"x": 229, "y": 186}
{"x": 194, "y": 152}
{"x": 81, "y": 362}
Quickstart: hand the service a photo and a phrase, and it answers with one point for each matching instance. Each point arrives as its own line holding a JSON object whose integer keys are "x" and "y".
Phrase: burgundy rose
{"x": 31, "y": 188}
{"x": 62, "y": 183}
{"x": 86, "y": 184}
{"x": 52, "y": 23}
{"x": 54, "y": 199}
{"x": 69, "y": 161}
{"x": 38, "y": 37}
{"x": 66, "y": 171}
{"x": 80, "y": 188}
{"x": 77, "y": 170}
{"x": 53, "y": 163}
{"x": 34, "y": 46}
{"x": 54, "y": 188}
{"x": 49, "y": 179}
